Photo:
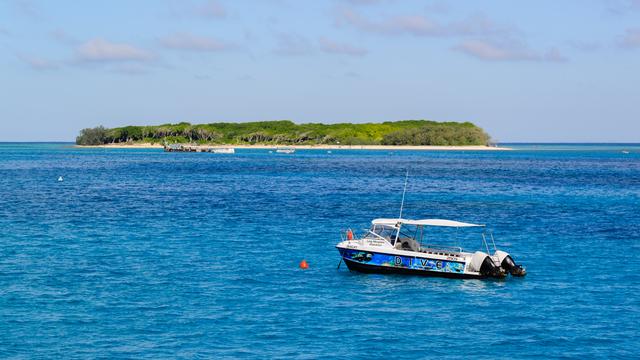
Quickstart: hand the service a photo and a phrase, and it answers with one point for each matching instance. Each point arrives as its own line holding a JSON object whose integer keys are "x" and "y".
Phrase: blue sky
{"x": 523, "y": 70}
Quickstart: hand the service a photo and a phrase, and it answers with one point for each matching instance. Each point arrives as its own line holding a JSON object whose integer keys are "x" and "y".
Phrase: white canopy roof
{"x": 423, "y": 222}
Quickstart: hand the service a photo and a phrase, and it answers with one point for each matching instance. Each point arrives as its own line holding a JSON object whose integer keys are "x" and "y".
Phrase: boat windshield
{"x": 415, "y": 236}
{"x": 383, "y": 231}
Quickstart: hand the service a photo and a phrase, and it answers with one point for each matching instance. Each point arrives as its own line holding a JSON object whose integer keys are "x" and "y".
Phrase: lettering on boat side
{"x": 376, "y": 242}
{"x": 404, "y": 261}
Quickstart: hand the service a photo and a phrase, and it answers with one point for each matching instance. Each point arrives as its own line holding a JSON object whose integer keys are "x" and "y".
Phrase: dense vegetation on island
{"x": 407, "y": 132}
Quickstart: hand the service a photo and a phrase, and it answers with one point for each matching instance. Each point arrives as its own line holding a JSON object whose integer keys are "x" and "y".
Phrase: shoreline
{"x": 311, "y": 147}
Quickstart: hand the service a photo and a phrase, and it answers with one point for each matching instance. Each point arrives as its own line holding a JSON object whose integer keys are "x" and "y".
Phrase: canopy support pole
{"x": 484, "y": 240}
{"x": 406, "y": 178}
{"x": 493, "y": 241}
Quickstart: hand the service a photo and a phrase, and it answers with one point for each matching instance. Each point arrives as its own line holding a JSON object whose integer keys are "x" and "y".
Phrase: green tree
{"x": 92, "y": 136}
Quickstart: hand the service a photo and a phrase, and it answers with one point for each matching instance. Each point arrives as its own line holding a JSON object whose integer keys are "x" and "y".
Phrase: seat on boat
{"x": 406, "y": 244}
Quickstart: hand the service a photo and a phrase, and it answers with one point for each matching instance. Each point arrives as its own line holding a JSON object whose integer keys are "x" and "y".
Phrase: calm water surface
{"x": 145, "y": 254}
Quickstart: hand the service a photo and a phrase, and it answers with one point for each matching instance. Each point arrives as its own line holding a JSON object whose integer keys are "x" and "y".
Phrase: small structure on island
{"x": 198, "y": 148}
{"x": 285, "y": 150}
{"x": 172, "y": 147}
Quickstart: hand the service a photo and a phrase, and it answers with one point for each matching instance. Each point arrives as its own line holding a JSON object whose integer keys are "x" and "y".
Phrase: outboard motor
{"x": 507, "y": 263}
{"x": 485, "y": 265}
{"x": 490, "y": 269}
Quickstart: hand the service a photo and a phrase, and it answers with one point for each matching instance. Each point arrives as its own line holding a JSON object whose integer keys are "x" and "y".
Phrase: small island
{"x": 410, "y": 134}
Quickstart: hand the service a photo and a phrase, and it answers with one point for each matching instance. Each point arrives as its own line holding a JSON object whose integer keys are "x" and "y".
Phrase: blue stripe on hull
{"x": 375, "y": 269}
{"x": 367, "y": 261}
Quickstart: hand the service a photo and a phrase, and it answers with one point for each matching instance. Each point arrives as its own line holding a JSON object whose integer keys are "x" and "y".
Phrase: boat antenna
{"x": 406, "y": 178}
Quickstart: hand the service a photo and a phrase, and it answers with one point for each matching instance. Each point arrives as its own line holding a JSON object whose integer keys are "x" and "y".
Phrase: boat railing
{"x": 436, "y": 247}
{"x": 366, "y": 234}
{"x": 344, "y": 234}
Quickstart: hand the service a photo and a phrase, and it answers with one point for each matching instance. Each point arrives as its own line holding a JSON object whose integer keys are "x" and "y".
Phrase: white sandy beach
{"x": 309, "y": 147}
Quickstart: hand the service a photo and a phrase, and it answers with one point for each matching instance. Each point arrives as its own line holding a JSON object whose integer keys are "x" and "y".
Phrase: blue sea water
{"x": 145, "y": 254}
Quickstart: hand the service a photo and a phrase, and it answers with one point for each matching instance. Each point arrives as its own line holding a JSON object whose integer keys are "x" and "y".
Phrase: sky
{"x": 525, "y": 71}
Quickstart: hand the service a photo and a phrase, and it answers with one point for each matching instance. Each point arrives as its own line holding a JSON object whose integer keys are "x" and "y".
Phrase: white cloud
{"x": 413, "y": 24}
{"x": 207, "y": 10}
{"x": 100, "y": 50}
{"x": 631, "y": 39}
{"x": 185, "y": 41}
{"x": 420, "y": 25}
{"x": 481, "y": 37}
{"x": 333, "y": 47}
{"x": 513, "y": 51}
{"x": 38, "y": 63}
{"x": 479, "y": 25}
{"x": 488, "y": 51}
{"x": 211, "y": 9}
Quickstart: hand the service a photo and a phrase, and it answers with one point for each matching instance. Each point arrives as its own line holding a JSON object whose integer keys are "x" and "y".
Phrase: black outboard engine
{"x": 484, "y": 264}
{"x": 489, "y": 268}
{"x": 509, "y": 265}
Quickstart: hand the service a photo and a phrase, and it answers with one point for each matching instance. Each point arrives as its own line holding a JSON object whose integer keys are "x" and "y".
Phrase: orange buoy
{"x": 349, "y": 234}
{"x": 303, "y": 265}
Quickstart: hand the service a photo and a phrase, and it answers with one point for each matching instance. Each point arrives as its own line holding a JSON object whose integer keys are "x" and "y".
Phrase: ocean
{"x": 146, "y": 254}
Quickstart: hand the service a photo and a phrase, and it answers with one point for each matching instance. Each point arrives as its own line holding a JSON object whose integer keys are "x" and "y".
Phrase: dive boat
{"x": 285, "y": 150}
{"x": 397, "y": 246}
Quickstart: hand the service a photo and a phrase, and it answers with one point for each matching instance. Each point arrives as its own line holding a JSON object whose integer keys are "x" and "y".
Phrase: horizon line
{"x": 497, "y": 143}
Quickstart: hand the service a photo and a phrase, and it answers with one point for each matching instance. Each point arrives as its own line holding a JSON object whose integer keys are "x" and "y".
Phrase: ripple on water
{"x": 145, "y": 254}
